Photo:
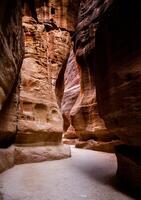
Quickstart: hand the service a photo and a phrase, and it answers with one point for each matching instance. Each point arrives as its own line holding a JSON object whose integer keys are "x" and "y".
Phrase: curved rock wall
{"x": 118, "y": 71}
{"x": 108, "y": 43}
{"x": 71, "y": 92}
{"x": 82, "y": 113}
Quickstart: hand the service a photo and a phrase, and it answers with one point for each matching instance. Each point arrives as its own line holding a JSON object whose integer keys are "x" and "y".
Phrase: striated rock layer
{"x": 85, "y": 114}
{"x": 71, "y": 92}
{"x": 79, "y": 109}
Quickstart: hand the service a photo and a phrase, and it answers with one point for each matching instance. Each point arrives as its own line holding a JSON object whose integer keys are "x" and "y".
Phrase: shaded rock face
{"x": 118, "y": 79}
{"x": 118, "y": 70}
{"x": 108, "y": 44}
{"x": 12, "y": 48}
{"x": 89, "y": 17}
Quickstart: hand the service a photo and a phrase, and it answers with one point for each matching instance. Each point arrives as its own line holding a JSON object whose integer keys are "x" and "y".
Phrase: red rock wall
{"x": 82, "y": 113}
{"x": 71, "y": 92}
{"x": 11, "y": 45}
{"x": 108, "y": 44}
{"x": 47, "y": 46}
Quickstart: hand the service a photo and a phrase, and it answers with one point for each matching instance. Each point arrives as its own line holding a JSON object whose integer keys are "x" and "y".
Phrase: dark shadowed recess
{"x": 118, "y": 41}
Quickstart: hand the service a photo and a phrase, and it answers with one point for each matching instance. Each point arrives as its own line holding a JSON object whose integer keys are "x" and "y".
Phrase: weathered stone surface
{"x": 64, "y": 13}
{"x": 19, "y": 155}
{"x": 6, "y": 158}
{"x": 41, "y": 153}
{"x": 79, "y": 106}
{"x": 46, "y": 53}
{"x": 71, "y": 92}
{"x": 84, "y": 114}
{"x": 90, "y": 14}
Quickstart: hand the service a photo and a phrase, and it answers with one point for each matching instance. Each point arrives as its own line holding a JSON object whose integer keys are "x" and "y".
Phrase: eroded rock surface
{"x": 47, "y": 47}
{"x": 80, "y": 111}
{"x": 71, "y": 92}
{"x": 40, "y": 120}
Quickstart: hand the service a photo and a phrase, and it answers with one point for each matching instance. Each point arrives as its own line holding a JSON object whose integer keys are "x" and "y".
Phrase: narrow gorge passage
{"x": 70, "y": 74}
{"x": 86, "y": 175}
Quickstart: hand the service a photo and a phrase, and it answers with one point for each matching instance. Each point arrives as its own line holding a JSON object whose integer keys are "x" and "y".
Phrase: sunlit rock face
{"x": 71, "y": 92}
{"x": 80, "y": 111}
{"x": 47, "y": 46}
{"x": 12, "y": 48}
{"x": 64, "y": 12}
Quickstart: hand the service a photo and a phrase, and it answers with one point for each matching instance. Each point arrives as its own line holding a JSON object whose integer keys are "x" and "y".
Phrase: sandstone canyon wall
{"x": 47, "y": 33}
{"x": 33, "y": 115}
{"x": 118, "y": 78}
{"x": 79, "y": 104}
{"x": 97, "y": 88}
{"x": 12, "y": 49}
{"x": 108, "y": 45}
{"x": 11, "y": 56}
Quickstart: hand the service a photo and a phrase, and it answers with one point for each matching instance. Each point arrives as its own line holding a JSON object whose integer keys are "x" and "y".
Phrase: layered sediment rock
{"x": 82, "y": 113}
{"x": 79, "y": 108}
{"x": 71, "y": 92}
